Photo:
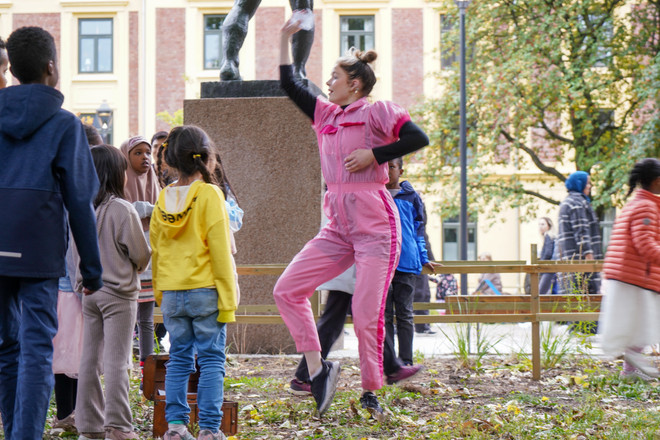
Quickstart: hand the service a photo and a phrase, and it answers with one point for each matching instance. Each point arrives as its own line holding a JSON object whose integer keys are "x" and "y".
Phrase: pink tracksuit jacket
{"x": 363, "y": 229}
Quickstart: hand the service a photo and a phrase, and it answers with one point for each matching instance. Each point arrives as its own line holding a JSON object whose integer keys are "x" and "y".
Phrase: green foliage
{"x": 173, "y": 120}
{"x": 463, "y": 339}
{"x": 555, "y": 348}
{"x": 542, "y": 79}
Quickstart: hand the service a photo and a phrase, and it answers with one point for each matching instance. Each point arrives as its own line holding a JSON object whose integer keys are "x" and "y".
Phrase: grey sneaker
{"x": 635, "y": 374}
{"x": 67, "y": 424}
{"x": 91, "y": 436}
{"x": 116, "y": 434}
{"x": 324, "y": 385}
{"x": 205, "y": 434}
{"x": 173, "y": 435}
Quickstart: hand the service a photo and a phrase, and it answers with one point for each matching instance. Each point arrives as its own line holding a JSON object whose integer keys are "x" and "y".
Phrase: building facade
{"x": 146, "y": 56}
{"x": 143, "y": 57}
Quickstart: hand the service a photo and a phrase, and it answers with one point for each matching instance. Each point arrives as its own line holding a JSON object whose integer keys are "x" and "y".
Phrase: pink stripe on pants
{"x": 363, "y": 229}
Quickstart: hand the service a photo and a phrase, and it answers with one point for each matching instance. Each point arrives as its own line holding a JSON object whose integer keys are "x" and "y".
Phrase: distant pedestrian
{"x": 630, "y": 317}
{"x": 489, "y": 283}
{"x": 579, "y": 236}
{"x": 546, "y": 280}
{"x": 447, "y": 285}
{"x": 46, "y": 167}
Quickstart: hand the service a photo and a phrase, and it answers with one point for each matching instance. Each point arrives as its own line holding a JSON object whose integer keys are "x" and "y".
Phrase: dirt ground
{"x": 441, "y": 377}
{"x": 443, "y": 388}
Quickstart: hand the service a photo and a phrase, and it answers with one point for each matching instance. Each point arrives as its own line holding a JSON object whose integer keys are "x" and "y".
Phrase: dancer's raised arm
{"x": 288, "y": 81}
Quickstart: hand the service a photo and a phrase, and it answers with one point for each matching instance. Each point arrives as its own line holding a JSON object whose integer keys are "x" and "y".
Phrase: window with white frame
{"x": 356, "y": 31}
{"x": 95, "y": 45}
{"x": 451, "y": 239}
{"x": 213, "y": 40}
{"x": 448, "y": 46}
{"x": 606, "y": 226}
{"x": 595, "y": 27}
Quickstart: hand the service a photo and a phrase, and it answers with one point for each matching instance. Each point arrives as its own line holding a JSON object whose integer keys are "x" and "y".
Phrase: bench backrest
{"x": 516, "y": 304}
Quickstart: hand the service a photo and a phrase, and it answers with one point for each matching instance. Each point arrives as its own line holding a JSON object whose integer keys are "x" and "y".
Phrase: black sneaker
{"x": 324, "y": 385}
{"x": 369, "y": 402}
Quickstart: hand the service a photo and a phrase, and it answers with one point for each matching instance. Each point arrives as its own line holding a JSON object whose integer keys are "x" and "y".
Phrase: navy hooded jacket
{"x": 45, "y": 167}
{"x": 413, "y": 246}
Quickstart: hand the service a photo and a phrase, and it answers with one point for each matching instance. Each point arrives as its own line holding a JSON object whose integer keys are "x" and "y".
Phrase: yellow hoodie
{"x": 192, "y": 248}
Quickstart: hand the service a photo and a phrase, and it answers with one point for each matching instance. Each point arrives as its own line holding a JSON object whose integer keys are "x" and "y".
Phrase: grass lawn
{"x": 581, "y": 398}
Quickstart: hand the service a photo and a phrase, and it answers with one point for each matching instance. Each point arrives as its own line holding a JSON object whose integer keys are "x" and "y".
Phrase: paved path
{"x": 503, "y": 339}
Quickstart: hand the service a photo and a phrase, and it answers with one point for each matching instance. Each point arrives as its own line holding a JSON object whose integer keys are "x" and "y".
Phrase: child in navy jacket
{"x": 413, "y": 258}
{"x": 46, "y": 167}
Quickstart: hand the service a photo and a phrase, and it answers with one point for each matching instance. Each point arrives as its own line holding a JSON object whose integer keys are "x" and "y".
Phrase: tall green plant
{"x": 461, "y": 339}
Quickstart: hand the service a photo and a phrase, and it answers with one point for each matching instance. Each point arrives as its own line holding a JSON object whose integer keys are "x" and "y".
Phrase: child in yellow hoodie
{"x": 194, "y": 280}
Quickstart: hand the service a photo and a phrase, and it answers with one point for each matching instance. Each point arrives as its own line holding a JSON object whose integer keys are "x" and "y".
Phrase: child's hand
{"x": 358, "y": 160}
{"x": 86, "y": 291}
{"x": 431, "y": 265}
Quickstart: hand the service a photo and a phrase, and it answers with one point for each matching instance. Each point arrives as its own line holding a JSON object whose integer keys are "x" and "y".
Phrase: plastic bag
{"x": 67, "y": 343}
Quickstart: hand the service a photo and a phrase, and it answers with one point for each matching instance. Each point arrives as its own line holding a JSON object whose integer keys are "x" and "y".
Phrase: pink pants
{"x": 364, "y": 229}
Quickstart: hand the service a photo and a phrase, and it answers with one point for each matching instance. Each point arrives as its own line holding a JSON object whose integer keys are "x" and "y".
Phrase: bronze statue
{"x": 235, "y": 28}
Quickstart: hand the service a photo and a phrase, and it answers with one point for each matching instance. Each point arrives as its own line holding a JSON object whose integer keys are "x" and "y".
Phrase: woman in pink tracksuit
{"x": 356, "y": 139}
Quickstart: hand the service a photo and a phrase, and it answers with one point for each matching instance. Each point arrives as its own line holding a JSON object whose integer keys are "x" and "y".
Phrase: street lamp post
{"x": 463, "y": 240}
{"x": 104, "y": 113}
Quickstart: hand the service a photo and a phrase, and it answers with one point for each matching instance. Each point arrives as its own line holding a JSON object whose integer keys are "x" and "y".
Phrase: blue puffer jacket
{"x": 45, "y": 166}
{"x": 413, "y": 246}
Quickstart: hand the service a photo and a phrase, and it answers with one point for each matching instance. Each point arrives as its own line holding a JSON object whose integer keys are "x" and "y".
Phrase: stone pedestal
{"x": 270, "y": 154}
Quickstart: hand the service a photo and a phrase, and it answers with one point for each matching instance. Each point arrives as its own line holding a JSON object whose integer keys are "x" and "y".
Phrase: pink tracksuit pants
{"x": 364, "y": 229}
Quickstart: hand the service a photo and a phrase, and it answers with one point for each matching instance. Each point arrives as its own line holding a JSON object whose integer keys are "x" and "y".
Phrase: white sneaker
{"x": 641, "y": 363}
{"x": 635, "y": 374}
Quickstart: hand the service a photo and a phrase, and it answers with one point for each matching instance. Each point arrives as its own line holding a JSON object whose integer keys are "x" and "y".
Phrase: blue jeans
{"x": 190, "y": 317}
{"x": 28, "y": 323}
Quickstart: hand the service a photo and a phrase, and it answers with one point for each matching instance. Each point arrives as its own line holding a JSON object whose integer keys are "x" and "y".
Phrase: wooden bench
{"x": 521, "y": 304}
{"x": 154, "y": 389}
{"x": 532, "y": 308}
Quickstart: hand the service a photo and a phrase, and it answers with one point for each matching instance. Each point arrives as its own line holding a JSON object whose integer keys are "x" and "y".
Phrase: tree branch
{"x": 554, "y": 135}
{"x": 541, "y": 196}
{"x": 535, "y": 158}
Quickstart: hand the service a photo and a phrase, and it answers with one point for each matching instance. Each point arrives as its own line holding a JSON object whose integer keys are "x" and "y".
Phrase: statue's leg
{"x": 234, "y": 30}
{"x": 301, "y": 42}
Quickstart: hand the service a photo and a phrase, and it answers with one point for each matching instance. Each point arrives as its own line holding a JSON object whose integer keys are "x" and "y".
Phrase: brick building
{"x": 144, "y": 56}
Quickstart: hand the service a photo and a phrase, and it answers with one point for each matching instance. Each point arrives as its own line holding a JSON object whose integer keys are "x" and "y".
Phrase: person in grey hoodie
{"x": 46, "y": 167}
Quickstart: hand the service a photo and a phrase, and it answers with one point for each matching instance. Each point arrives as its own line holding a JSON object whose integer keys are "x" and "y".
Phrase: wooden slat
{"x": 573, "y": 316}
{"x": 532, "y": 308}
{"x": 458, "y": 267}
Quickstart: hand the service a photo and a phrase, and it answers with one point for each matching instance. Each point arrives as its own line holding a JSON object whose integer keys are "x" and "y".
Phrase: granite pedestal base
{"x": 270, "y": 154}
